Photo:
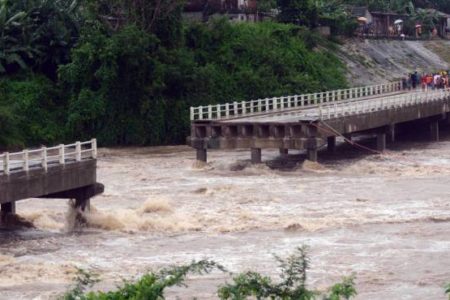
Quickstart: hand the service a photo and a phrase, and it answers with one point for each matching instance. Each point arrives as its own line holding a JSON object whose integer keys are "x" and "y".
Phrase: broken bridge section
{"x": 64, "y": 171}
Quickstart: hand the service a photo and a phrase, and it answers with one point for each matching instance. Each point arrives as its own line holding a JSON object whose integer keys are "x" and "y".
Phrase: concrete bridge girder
{"x": 74, "y": 180}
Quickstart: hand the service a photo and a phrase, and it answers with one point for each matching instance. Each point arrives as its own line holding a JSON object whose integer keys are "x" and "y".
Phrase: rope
{"x": 357, "y": 145}
{"x": 337, "y": 133}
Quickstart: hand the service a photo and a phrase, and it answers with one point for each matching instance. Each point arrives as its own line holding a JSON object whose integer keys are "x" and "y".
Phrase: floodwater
{"x": 384, "y": 218}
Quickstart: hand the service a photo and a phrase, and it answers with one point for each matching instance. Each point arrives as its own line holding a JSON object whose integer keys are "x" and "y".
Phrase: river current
{"x": 385, "y": 218}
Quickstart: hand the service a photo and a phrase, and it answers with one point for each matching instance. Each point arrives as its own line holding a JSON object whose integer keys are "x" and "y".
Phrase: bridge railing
{"x": 44, "y": 157}
{"x": 235, "y": 109}
{"x": 360, "y": 107}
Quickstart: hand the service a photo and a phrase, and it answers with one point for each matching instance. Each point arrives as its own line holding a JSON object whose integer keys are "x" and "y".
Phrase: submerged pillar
{"x": 331, "y": 144}
{"x": 8, "y": 208}
{"x": 312, "y": 154}
{"x": 256, "y": 155}
{"x": 202, "y": 155}
{"x": 83, "y": 203}
{"x": 381, "y": 141}
{"x": 392, "y": 133}
{"x": 284, "y": 152}
{"x": 434, "y": 131}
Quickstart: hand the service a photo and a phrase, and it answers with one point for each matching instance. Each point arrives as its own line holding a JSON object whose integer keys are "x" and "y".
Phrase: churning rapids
{"x": 384, "y": 218}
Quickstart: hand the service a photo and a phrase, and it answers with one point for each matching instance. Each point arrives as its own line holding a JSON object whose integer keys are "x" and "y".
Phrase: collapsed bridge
{"x": 310, "y": 121}
{"x": 64, "y": 171}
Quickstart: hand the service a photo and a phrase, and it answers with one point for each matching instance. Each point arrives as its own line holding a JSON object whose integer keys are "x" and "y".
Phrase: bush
{"x": 249, "y": 285}
{"x": 30, "y": 111}
{"x": 292, "y": 283}
{"x": 150, "y": 287}
{"x": 127, "y": 88}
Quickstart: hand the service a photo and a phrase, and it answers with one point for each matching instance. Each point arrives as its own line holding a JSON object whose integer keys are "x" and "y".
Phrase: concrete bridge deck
{"x": 308, "y": 122}
{"x": 64, "y": 171}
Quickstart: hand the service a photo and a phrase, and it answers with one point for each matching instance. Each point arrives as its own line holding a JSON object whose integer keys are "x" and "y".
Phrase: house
{"x": 360, "y": 12}
{"x": 235, "y": 10}
{"x": 384, "y": 23}
{"x": 442, "y": 21}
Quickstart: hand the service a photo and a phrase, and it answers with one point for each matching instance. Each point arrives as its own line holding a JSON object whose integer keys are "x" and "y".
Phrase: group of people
{"x": 438, "y": 80}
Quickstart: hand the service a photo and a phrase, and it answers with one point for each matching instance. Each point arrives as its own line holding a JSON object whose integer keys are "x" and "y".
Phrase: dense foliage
{"x": 37, "y": 34}
{"x": 249, "y": 285}
{"x": 128, "y": 88}
{"x": 291, "y": 285}
{"x": 127, "y": 73}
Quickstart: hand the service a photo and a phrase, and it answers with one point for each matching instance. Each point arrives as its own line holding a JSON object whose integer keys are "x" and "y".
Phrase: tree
{"x": 298, "y": 12}
{"x": 161, "y": 17}
{"x": 36, "y": 34}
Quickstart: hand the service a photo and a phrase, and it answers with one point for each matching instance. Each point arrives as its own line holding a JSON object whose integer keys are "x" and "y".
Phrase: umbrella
{"x": 362, "y": 19}
{"x": 399, "y": 21}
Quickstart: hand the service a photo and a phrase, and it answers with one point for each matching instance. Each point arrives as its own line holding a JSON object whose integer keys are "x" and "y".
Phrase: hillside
{"x": 377, "y": 61}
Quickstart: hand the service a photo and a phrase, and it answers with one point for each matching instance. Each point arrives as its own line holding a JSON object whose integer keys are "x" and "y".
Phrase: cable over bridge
{"x": 303, "y": 122}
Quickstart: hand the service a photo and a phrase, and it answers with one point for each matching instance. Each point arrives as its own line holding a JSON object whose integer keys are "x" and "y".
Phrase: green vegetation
{"x": 447, "y": 291}
{"x": 127, "y": 74}
{"x": 249, "y": 285}
{"x": 292, "y": 283}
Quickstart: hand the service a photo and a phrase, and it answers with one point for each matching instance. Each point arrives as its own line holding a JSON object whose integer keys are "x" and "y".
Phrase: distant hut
{"x": 361, "y": 12}
{"x": 364, "y": 17}
{"x": 384, "y": 23}
{"x": 441, "y": 21}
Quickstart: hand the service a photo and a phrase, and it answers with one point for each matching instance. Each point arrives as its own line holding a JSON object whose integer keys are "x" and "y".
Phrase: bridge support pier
{"x": 312, "y": 154}
{"x": 202, "y": 155}
{"x": 284, "y": 152}
{"x": 83, "y": 203}
{"x": 392, "y": 133}
{"x": 256, "y": 155}
{"x": 8, "y": 208}
{"x": 434, "y": 131}
{"x": 381, "y": 141}
{"x": 331, "y": 144}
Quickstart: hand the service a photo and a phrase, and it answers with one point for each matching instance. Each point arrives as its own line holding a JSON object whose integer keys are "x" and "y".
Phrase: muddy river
{"x": 384, "y": 218}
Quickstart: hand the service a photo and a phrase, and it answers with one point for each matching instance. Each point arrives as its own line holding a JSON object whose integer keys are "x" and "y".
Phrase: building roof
{"x": 358, "y": 11}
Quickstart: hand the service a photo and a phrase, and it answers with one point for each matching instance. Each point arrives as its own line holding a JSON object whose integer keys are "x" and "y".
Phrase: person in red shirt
{"x": 423, "y": 82}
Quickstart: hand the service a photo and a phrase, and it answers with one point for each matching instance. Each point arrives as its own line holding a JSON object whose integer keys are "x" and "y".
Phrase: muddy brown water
{"x": 384, "y": 218}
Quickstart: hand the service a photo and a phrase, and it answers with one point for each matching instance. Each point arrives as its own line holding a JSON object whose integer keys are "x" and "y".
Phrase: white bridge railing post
{"x": 26, "y": 162}
{"x": 6, "y": 163}
{"x": 44, "y": 161}
{"x": 78, "y": 151}
{"x": 61, "y": 154}
{"x": 94, "y": 148}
